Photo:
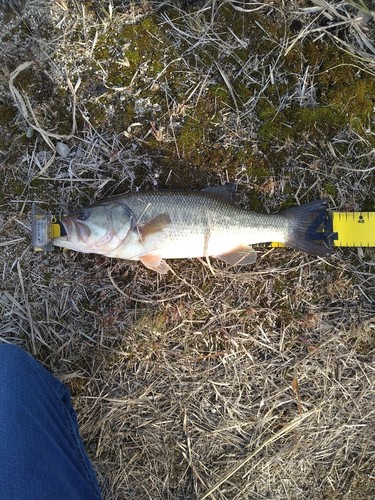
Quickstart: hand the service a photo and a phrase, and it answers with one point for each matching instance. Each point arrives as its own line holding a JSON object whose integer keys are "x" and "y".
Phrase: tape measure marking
{"x": 354, "y": 229}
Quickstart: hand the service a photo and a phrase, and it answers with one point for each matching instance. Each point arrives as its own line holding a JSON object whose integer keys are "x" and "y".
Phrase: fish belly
{"x": 174, "y": 243}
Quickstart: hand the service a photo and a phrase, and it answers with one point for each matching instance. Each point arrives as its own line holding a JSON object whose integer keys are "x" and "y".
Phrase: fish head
{"x": 98, "y": 228}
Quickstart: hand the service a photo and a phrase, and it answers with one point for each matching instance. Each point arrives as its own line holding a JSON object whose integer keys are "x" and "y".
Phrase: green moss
{"x": 7, "y": 115}
{"x": 132, "y": 57}
{"x": 257, "y": 167}
{"x": 135, "y": 55}
{"x": 220, "y": 94}
{"x": 347, "y": 91}
{"x": 49, "y": 104}
{"x": 16, "y": 186}
{"x": 368, "y": 204}
{"x": 275, "y": 129}
{"x": 355, "y": 101}
{"x": 196, "y": 139}
{"x": 321, "y": 120}
{"x": 330, "y": 189}
{"x": 36, "y": 83}
{"x": 123, "y": 51}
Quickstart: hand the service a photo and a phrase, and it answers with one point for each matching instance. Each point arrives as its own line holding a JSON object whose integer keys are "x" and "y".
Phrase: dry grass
{"x": 247, "y": 383}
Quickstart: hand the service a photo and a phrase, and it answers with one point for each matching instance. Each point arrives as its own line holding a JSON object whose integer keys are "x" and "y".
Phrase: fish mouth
{"x": 63, "y": 239}
{"x": 76, "y": 233}
{"x": 67, "y": 224}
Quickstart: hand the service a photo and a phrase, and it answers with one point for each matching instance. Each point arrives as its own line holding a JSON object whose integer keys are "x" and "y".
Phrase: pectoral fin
{"x": 240, "y": 256}
{"x": 155, "y": 262}
{"x": 153, "y": 225}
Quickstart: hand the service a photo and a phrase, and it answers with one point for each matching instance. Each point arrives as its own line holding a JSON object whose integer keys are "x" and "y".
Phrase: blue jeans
{"x": 41, "y": 453}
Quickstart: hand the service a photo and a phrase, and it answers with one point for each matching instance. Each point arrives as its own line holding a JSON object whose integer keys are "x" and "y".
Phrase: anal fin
{"x": 240, "y": 256}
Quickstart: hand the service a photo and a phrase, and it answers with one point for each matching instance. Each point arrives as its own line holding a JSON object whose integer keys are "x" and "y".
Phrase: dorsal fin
{"x": 224, "y": 191}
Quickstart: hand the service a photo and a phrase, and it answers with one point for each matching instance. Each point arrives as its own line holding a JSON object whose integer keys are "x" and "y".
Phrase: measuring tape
{"x": 349, "y": 229}
{"x": 354, "y": 229}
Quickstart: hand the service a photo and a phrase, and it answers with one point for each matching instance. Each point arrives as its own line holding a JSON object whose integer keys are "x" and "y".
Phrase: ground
{"x": 208, "y": 382}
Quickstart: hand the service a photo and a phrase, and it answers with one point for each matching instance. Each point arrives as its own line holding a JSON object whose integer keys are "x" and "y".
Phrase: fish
{"x": 152, "y": 227}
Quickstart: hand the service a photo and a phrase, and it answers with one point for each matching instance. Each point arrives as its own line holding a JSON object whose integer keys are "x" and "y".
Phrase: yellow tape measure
{"x": 351, "y": 229}
{"x": 354, "y": 229}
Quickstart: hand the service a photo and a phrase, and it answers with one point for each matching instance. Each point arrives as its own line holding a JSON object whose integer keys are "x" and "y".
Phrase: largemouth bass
{"x": 154, "y": 226}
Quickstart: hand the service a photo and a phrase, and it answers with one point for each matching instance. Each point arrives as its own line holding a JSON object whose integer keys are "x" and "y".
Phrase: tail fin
{"x": 309, "y": 228}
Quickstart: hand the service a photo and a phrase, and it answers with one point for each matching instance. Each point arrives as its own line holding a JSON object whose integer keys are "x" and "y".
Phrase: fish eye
{"x": 82, "y": 215}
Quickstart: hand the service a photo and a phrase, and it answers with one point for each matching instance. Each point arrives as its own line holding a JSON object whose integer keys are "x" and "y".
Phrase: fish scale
{"x": 193, "y": 212}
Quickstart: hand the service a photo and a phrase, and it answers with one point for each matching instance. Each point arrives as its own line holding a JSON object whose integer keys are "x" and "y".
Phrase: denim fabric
{"x": 41, "y": 453}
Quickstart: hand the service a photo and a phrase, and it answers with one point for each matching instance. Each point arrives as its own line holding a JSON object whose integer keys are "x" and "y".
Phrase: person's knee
{"x": 19, "y": 369}
{"x": 12, "y": 357}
